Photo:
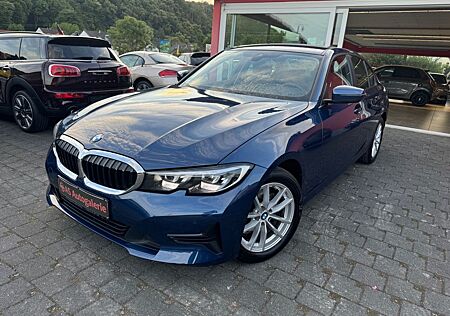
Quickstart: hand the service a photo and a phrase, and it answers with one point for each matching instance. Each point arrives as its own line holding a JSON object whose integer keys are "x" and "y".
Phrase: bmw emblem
{"x": 97, "y": 138}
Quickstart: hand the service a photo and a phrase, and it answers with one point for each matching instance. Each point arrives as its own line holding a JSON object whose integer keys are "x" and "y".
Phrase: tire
{"x": 420, "y": 98}
{"x": 142, "y": 85}
{"x": 372, "y": 152}
{"x": 259, "y": 216}
{"x": 27, "y": 114}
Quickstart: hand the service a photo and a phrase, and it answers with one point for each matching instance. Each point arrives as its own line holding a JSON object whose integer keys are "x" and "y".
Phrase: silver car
{"x": 153, "y": 69}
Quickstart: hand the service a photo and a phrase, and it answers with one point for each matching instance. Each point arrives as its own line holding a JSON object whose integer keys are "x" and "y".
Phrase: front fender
{"x": 297, "y": 138}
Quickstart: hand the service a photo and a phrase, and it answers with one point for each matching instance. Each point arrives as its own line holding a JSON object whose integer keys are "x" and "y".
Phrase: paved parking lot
{"x": 376, "y": 241}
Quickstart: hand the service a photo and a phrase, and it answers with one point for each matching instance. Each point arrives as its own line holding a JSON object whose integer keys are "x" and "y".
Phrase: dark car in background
{"x": 194, "y": 59}
{"x": 408, "y": 83}
{"x": 219, "y": 165}
{"x": 45, "y": 76}
{"x": 442, "y": 87}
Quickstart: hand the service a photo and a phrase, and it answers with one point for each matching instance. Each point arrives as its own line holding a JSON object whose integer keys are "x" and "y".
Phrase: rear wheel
{"x": 420, "y": 98}
{"x": 274, "y": 218}
{"x": 142, "y": 85}
{"x": 26, "y": 113}
{"x": 372, "y": 152}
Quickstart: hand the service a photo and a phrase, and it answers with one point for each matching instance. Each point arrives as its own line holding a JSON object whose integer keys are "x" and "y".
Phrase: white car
{"x": 153, "y": 69}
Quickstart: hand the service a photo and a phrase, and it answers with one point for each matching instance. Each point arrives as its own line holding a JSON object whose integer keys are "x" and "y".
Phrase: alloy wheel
{"x": 377, "y": 140}
{"x": 269, "y": 221}
{"x": 23, "y": 111}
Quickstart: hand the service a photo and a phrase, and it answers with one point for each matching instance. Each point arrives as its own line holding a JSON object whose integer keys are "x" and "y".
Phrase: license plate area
{"x": 87, "y": 201}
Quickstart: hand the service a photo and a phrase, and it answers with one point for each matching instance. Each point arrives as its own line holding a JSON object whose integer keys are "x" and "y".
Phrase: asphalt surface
{"x": 376, "y": 241}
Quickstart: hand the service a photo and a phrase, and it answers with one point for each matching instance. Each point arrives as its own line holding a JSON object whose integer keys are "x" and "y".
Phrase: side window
{"x": 129, "y": 60}
{"x": 31, "y": 48}
{"x": 338, "y": 75}
{"x": 361, "y": 75}
{"x": 385, "y": 73}
{"x": 139, "y": 61}
{"x": 9, "y": 49}
{"x": 372, "y": 77}
{"x": 403, "y": 72}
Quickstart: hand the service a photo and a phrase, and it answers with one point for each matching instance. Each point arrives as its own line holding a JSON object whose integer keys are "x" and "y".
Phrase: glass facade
{"x": 299, "y": 28}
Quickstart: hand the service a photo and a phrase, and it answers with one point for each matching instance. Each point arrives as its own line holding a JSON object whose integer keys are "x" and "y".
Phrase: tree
{"x": 16, "y": 27}
{"x": 130, "y": 34}
{"x": 6, "y": 17}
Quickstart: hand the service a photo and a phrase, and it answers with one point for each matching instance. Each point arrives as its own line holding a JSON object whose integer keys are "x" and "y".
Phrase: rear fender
{"x": 16, "y": 84}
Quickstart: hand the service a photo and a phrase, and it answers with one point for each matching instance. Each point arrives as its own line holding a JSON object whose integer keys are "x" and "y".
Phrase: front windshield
{"x": 272, "y": 74}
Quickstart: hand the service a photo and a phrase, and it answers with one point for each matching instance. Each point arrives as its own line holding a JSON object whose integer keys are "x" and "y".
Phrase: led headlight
{"x": 208, "y": 180}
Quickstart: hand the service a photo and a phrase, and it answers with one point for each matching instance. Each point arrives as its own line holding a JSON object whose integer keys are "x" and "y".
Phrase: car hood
{"x": 179, "y": 127}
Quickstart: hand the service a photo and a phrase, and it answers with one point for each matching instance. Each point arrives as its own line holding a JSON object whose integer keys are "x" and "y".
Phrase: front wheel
{"x": 274, "y": 218}
{"x": 372, "y": 152}
{"x": 26, "y": 113}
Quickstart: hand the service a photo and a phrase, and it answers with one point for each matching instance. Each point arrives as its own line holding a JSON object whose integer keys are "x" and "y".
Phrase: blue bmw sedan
{"x": 218, "y": 166}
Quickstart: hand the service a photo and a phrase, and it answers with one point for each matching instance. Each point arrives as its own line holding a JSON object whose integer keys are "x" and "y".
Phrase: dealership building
{"x": 413, "y": 27}
{"x": 406, "y": 27}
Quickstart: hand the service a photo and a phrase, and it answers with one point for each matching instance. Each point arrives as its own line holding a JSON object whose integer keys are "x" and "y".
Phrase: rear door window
{"x": 31, "y": 49}
{"x": 403, "y": 72}
{"x": 372, "y": 78}
{"x": 9, "y": 49}
{"x": 361, "y": 74}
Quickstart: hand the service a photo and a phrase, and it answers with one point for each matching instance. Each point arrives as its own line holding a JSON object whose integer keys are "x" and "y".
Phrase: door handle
{"x": 358, "y": 109}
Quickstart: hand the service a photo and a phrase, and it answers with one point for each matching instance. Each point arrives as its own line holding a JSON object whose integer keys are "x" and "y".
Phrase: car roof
{"x": 143, "y": 52}
{"x": 436, "y": 74}
{"x": 49, "y": 36}
{"x": 22, "y": 34}
{"x": 300, "y": 48}
{"x": 400, "y": 66}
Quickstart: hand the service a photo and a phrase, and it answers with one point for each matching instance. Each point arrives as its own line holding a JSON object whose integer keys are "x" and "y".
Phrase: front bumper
{"x": 171, "y": 228}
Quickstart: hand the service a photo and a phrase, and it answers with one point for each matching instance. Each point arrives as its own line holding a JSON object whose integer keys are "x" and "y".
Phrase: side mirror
{"x": 348, "y": 94}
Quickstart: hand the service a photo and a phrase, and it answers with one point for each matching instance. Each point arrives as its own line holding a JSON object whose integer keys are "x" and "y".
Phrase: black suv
{"x": 47, "y": 76}
{"x": 408, "y": 83}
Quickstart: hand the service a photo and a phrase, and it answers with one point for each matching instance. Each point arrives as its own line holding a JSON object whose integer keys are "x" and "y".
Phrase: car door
{"x": 131, "y": 61}
{"x": 405, "y": 80}
{"x": 340, "y": 121}
{"x": 9, "y": 54}
{"x": 371, "y": 103}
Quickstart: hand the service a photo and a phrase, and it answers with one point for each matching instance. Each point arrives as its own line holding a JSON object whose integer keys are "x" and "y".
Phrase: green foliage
{"x": 130, "y": 34}
{"x": 190, "y": 21}
{"x": 432, "y": 64}
{"x": 6, "y": 14}
{"x": 16, "y": 27}
{"x": 68, "y": 28}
